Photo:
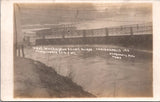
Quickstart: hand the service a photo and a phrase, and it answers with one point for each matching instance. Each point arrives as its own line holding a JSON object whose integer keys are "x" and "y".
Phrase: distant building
{"x": 29, "y": 38}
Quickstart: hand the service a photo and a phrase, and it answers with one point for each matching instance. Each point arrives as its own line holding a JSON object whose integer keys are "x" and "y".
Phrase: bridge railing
{"x": 135, "y": 29}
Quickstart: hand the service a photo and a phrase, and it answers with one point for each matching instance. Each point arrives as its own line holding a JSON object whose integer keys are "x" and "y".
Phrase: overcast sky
{"x": 85, "y": 15}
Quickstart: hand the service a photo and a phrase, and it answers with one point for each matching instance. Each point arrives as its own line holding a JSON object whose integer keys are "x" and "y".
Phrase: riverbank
{"x": 35, "y": 79}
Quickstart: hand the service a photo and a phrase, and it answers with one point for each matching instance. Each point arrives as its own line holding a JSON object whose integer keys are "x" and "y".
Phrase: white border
{"x": 7, "y": 49}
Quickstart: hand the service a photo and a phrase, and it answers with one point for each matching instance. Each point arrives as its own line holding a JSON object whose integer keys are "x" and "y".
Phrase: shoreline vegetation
{"x": 33, "y": 79}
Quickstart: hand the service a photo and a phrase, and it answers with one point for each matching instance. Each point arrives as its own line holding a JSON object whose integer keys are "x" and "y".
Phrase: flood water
{"x": 100, "y": 73}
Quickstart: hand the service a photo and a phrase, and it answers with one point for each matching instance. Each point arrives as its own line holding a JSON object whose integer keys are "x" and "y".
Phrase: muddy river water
{"x": 103, "y": 70}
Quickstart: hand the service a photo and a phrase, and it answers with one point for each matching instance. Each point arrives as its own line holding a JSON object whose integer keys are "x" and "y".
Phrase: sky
{"x": 84, "y": 15}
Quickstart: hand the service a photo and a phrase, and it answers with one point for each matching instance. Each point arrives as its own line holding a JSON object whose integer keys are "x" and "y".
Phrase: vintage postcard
{"x": 82, "y": 50}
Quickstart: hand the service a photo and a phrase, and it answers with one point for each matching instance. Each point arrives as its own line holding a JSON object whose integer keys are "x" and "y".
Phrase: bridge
{"x": 139, "y": 35}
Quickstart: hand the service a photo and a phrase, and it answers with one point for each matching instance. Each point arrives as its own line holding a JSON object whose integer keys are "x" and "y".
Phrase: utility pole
{"x": 19, "y": 36}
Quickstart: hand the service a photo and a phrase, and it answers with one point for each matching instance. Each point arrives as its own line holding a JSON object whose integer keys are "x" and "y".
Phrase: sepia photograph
{"x": 82, "y": 50}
